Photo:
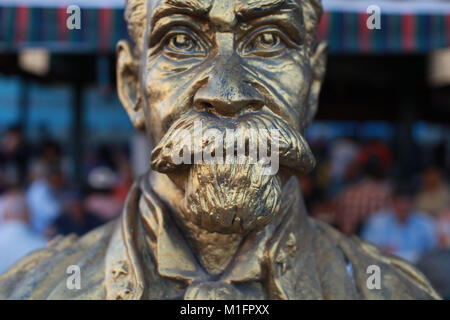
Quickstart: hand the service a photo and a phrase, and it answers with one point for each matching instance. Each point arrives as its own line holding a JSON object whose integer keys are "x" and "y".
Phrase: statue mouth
{"x": 256, "y": 138}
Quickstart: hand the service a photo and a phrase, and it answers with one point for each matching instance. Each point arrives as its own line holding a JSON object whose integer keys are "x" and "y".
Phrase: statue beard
{"x": 232, "y": 196}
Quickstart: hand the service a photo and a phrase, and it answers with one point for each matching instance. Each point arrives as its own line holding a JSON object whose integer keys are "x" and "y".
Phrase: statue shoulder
{"x": 398, "y": 278}
{"x": 43, "y": 273}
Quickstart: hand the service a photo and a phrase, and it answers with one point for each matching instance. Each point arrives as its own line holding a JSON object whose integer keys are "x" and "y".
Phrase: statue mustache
{"x": 262, "y": 128}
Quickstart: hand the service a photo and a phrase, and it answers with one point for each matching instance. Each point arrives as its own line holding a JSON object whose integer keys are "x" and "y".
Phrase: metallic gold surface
{"x": 217, "y": 230}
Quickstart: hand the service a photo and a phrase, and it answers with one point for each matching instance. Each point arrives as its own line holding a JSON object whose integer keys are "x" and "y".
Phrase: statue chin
{"x": 234, "y": 198}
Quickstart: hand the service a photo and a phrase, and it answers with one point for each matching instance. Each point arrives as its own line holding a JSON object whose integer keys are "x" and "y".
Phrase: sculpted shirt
{"x": 143, "y": 255}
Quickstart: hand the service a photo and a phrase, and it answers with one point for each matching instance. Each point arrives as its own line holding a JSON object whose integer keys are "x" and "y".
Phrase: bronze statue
{"x": 200, "y": 229}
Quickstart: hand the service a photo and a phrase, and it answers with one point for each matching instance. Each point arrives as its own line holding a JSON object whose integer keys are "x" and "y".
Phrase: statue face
{"x": 240, "y": 65}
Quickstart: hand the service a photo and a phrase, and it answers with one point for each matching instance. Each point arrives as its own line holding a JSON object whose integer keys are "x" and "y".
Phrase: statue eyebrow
{"x": 252, "y": 9}
{"x": 195, "y": 8}
{"x": 163, "y": 25}
{"x": 245, "y": 9}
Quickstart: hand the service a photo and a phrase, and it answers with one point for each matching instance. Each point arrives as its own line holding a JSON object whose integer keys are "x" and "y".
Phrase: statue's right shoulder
{"x": 398, "y": 278}
{"x": 40, "y": 274}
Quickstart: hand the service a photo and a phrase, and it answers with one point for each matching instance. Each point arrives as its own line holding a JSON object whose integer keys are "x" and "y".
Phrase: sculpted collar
{"x": 268, "y": 255}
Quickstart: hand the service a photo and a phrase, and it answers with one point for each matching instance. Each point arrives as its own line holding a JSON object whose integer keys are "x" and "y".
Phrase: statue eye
{"x": 267, "y": 40}
{"x": 183, "y": 43}
{"x": 265, "y": 43}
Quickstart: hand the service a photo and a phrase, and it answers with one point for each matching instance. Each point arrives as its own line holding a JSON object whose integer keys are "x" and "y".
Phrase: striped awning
{"x": 347, "y": 32}
{"x": 101, "y": 28}
{"x": 25, "y": 26}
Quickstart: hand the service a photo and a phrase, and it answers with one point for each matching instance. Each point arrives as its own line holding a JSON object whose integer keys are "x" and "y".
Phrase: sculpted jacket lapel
{"x": 123, "y": 273}
{"x": 291, "y": 263}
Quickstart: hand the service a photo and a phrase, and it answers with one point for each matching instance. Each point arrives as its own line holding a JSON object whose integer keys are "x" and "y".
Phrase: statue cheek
{"x": 169, "y": 94}
{"x": 163, "y": 67}
{"x": 293, "y": 85}
{"x": 296, "y": 80}
{"x": 166, "y": 78}
{"x": 288, "y": 74}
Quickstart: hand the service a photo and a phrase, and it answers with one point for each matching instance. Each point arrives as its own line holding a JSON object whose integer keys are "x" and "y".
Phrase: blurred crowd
{"x": 39, "y": 197}
{"x": 359, "y": 188}
{"x": 356, "y": 187}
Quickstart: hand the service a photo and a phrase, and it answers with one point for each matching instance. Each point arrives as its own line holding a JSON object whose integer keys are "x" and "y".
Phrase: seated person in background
{"x": 17, "y": 239}
{"x": 43, "y": 198}
{"x": 75, "y": 218}
{"x": 100, "y": 200}
{"x": 443, "y": 227}
{"x": 13, "y": 152}
{"x": 401, "y": 230}
{"x": 360, "y": 200}
{"x": 435, "y": 194}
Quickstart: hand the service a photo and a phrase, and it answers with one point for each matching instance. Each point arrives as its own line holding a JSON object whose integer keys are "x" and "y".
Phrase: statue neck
{"x": 213, "y": 250}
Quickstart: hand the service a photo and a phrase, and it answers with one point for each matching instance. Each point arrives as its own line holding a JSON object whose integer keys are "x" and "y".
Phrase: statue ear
{"x": 128, "y": 84}
{"x": 318, "y": 63}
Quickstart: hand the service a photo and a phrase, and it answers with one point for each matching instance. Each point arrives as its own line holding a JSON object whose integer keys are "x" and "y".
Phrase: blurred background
{"x": 68, "y": 153}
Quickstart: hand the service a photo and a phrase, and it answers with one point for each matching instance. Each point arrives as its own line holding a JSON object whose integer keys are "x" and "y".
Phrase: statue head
{"x": 216, "y": 83}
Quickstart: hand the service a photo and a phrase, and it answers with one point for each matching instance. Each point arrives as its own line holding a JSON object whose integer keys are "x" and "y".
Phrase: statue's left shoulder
{"x": 43, "y": 274}
{"x": 398, "y": 279}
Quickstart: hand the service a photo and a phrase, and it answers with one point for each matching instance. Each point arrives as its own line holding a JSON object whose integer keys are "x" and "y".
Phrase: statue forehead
{"x": 222, "y": 7}
{"x": 207, "y": 4}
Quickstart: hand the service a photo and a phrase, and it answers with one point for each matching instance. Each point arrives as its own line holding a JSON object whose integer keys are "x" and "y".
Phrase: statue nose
{"x": 228, "y": 98}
